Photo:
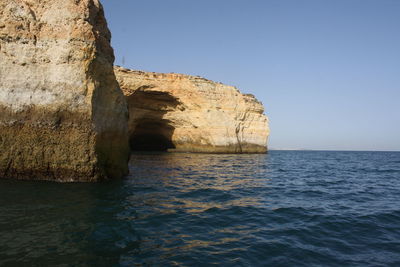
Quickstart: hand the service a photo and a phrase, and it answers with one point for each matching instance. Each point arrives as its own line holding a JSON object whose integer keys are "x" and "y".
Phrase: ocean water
{"x": 286, "y": 208}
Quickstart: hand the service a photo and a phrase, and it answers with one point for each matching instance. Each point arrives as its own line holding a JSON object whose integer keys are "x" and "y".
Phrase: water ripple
{"x": 287, "y": 208}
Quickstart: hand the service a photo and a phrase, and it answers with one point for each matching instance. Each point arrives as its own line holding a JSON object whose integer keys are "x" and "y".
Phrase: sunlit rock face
{"x": 183, "y": 113}
{"x": 63, "y": 116}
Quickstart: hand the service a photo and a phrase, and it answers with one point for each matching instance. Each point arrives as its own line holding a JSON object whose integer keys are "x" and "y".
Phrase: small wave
{"x": 281, "y": 209}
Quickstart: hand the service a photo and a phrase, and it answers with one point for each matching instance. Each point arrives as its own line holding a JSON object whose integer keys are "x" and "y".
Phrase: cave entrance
{"x": 152, "y": 135}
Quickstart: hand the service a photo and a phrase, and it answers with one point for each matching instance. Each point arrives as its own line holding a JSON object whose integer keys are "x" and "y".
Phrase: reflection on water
{"x": 284, "y": 208}
{"x": 45, "y": 223}
{"x": 217, "y": 179}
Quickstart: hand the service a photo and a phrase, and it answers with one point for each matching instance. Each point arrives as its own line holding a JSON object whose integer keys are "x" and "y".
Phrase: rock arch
{"x": 205, "y": 116}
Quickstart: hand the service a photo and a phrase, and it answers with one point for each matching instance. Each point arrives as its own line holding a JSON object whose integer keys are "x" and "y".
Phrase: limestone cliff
{"x": 187, "y": 113}
{"x": 63, "y": 116}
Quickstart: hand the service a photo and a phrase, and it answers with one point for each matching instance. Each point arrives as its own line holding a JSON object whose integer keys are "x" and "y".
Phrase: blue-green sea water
{"x": 286, "y": 208}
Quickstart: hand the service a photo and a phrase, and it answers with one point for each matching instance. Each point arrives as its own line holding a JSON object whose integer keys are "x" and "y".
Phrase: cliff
{"x": 177, "y": 112}
{"x": 63, "y": 116}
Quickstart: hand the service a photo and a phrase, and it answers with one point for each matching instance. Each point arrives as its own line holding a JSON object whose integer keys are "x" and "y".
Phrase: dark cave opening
{"x": 150, "y": 142}
{"x": 149, "y": 130}
{"x": 152, "y": 136}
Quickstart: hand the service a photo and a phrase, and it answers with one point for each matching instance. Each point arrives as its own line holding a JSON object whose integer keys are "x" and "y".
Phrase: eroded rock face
{"x": 185, "y": 113}
{"x": 63, "y": 116}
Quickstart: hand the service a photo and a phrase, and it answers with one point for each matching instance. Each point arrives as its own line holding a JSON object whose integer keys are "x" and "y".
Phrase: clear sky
{"x": 327, "y": 71}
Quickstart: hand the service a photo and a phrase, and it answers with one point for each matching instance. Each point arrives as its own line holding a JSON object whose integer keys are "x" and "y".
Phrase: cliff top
{"x": 179, "y": 76}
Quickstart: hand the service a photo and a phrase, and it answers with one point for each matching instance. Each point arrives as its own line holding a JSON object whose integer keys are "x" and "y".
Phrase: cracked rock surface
{"x": 63, "y": 116}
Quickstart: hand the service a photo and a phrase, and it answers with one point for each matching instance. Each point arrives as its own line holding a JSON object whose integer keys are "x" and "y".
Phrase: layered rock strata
{"x": 63, "y": 116}
{"x": 183, "y": 113}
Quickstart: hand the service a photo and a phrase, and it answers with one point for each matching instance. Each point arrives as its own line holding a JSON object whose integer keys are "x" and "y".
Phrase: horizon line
{"x": 338, "y": 150}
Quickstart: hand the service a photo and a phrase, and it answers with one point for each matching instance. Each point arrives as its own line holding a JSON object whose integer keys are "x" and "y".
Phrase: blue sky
{"x": 327, "y": 71}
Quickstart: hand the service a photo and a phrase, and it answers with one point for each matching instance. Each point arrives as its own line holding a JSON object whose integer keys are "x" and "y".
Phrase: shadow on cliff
{"x": 148, "y": 128}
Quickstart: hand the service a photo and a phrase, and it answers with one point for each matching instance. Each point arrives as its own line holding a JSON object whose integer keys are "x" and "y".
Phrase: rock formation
{"x": 185, "y": 113}
{"x": 62, "y": 114}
